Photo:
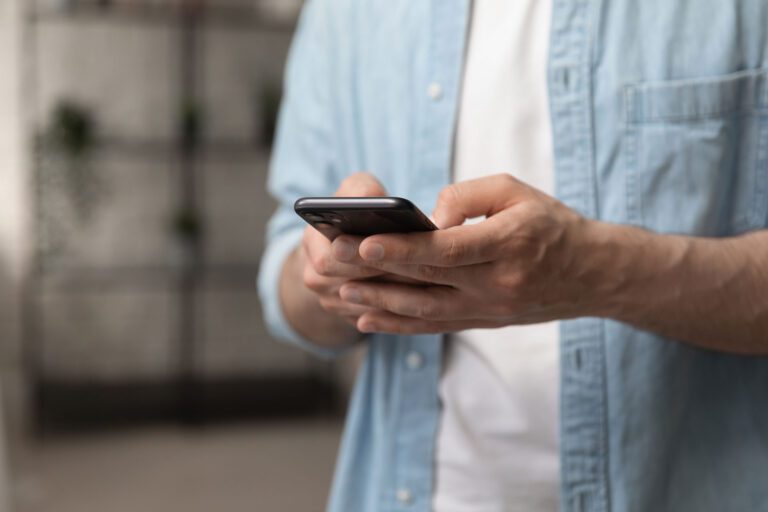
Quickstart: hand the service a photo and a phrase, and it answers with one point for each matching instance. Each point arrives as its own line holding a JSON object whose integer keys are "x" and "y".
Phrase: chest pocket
{"x": 697, "y": 154}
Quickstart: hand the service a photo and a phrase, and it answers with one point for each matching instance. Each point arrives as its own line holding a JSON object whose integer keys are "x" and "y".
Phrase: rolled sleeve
{"x": 269, "y": 292}
{"x": 303, "y": 161}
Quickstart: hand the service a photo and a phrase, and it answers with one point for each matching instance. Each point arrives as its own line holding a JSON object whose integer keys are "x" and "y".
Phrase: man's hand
{"x": 529, "y": 261}
{"x": 312, "y": 277}
{"x": 533, "y": 260}
{"x": 324, "y": 275}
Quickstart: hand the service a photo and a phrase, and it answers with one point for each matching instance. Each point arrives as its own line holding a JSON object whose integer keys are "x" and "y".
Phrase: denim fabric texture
{"x": 660, "y": 119}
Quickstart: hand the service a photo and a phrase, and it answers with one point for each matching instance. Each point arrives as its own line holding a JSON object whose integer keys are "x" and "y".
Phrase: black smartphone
{"x": 362, "y": 216}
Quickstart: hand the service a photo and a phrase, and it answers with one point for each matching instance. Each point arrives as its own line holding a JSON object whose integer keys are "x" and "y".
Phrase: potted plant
{"x": 71, "y": 137}
{"x": 269, "y": 98}
{"x": 190, "y": 126}
{"x": 187, "y": 226}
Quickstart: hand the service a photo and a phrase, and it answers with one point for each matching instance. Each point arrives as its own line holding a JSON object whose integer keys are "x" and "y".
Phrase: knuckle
{"x": 428, "y": 272}
{"x": 512, "y": 284}
{"x": 313, "y": 257}
{"x": 506, "y": 181}
{"x": 429, "y": 310}
{"x": 410, "y": 309}
{"x": 527, "y": 210}
{"x": 506, "y": 178}
{"x": 312, "y": 280}
{"x": 377, "y": 300}
{"x": 322, "y": 265}
{"x": 328, "y": 304}
{"x": 385, "y": 302}
{"x": 454, "y": 253}
{"x": 449, "y": 195}
{"x": 402, "y": 252}
{"x": 360, "y": 183}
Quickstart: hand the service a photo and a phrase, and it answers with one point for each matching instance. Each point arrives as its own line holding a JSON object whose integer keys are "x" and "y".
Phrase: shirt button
{"x": 414, "y": 361}
{"x": 435, "y": 91}
{"x": 404, "y": 496}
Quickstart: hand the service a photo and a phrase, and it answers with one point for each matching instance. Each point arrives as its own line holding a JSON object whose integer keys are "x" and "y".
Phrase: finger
{"x": 345, "y": 245}
{"x": 327, "y": 266}
{"x": 323, "y": 285}
{"x": 458, "y": 277}
{"x": 320, "y": 257}
{"x": 361, "y": 184}
{"x": 345, "y": 248}
{"x": 452, "y": 247}
{"x": 431, "y": 303}
{"x": 477, "y": 198}
{"x": 332, "y": 268}
{"x": 385, "y": 322}
{"x": 350, "y": 320}
{"x": 318, "y": 284}
{"x": 335, "y": 305}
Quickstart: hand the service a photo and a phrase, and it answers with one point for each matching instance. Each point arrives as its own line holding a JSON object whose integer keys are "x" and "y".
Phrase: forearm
{"x": 303, "y": 311}
{"x": 704, "y": 291}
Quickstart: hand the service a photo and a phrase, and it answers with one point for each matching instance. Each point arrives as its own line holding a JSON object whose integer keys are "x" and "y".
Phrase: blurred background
{"x": 135, "y": 370}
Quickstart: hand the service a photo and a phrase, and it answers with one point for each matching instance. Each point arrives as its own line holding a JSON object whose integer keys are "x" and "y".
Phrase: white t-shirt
{"x": 497, "y": 447}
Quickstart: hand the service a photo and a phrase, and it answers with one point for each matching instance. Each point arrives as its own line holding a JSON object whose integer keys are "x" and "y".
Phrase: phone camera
{"x": 323, "y": 226}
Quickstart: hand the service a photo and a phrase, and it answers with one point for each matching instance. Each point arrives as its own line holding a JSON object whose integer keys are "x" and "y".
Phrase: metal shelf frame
{"x": 188, "y": 19}
{"x": 232, "y": 16}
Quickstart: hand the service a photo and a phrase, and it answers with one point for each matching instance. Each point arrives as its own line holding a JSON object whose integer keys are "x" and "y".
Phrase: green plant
{"x": 73, "y": 129}
{"x": 71, "y": 140}
{"x": 187, "y": 225}
{"x": 190, "y": 125}
{"x": 269, "y": 98}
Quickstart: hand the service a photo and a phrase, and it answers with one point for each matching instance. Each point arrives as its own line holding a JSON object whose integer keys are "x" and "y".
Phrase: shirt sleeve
{"x": 302, "y": 161}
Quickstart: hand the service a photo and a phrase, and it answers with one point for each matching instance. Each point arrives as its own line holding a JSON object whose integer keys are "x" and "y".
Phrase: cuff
{"x": 269, "y": 290}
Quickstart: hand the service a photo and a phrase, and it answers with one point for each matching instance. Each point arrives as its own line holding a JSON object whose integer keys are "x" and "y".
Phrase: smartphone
{"x": 362, "y": 216}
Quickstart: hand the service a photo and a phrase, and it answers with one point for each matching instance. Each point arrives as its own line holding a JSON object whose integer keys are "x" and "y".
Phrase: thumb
{"x": 476, "y": 198}
{"x": 361, "y": 184}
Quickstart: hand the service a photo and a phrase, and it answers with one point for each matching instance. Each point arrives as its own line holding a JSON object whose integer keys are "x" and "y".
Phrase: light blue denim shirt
{"x": 660, "y": 119}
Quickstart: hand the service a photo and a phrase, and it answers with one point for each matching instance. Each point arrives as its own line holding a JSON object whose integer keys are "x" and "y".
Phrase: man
{"x": 648, "y": 121}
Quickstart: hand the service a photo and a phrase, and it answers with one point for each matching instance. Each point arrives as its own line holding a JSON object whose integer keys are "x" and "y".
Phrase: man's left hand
{"x": 529, "y": 261}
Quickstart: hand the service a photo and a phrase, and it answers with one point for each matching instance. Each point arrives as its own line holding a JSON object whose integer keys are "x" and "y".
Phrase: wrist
{"x": 630, "y": 268}
{"x": 303, "y": 311}
{"x": 599, "y": 276}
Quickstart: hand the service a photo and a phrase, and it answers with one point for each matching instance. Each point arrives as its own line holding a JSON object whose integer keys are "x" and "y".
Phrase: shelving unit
{"x": 151, "y": 149}
{"x": 232, "y": 16}
{"x": 189, "y": 280}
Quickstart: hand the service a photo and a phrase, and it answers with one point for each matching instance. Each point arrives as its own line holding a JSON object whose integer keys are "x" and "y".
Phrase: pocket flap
{"x": 681, "y": 100}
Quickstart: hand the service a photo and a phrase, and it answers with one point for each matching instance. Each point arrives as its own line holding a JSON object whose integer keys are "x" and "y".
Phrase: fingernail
{"x": 368, "y": 327}
{"x": 343, "y": 250}
{"x": 373, "y": 252}
{"x": 352, "y": 295}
